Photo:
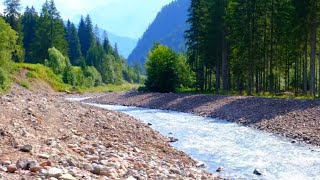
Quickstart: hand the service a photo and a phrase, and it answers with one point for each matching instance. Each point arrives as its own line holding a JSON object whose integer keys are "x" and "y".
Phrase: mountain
{"x": 167, "y": 28}
{"x": 125, "y": 44}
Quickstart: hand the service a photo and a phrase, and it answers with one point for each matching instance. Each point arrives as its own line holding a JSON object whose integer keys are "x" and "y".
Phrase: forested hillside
{"x": 168, "y": 29}
{"x": 76, "y": 54}
{"x": 255, "y": 46}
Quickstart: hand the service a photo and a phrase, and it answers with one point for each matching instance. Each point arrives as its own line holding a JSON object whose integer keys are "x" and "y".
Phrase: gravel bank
{"x": 43, "y": 136}
{"x": 298, "y": 120}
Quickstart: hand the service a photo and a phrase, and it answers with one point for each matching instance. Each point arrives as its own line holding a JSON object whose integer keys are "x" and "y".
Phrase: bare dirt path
{"x": 296, "y": 119}
{"x": 44, "y": 136}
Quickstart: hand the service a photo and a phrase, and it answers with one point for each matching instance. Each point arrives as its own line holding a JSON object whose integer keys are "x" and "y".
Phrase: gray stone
{"x": 67, "y": 177}
{"x": 220, "y": 169}
{"x": 22, "y": 164}
{"x": 26, "y": 148}
{"x": 173, "y": 139}
{"x": 257, "y": 172}
{"x": 55, "y": 172}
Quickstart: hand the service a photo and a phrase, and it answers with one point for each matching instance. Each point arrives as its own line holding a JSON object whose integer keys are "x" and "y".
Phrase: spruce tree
{"x": 74, "y": 49}
{"x": 12, "y": 16}
{"x": 29, "y": 24}
{"x": 50, "y": 32}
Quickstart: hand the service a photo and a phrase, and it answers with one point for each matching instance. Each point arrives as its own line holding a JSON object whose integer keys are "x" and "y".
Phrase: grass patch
{"x": 38, "y": 71}
{"x": 109, "y": 88}
{"x": 4, "y": 80}
{"x": 24, "y": 83}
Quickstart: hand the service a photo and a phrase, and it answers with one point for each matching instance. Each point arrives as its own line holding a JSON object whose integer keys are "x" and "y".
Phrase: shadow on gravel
{"x": 246, "y": 110}
{"x": 252, "y": 110}
{"x": 178, "y": 102}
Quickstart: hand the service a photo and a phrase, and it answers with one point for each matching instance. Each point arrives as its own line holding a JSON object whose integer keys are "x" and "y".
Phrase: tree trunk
{"x": 305, "y": 73}
{"x": 313, "y": 46}
{"x": 225, "y": 65}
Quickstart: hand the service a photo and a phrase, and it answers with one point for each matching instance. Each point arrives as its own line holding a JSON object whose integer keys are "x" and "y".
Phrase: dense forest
{"x": 255, "y": 46}
{"x": 77, "y": 54}
{"x": 167, "y": 28}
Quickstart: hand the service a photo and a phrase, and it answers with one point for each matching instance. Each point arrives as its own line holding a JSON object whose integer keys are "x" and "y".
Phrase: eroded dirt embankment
{"x": 44, "y": 136}
{"x": 295, "y": 119}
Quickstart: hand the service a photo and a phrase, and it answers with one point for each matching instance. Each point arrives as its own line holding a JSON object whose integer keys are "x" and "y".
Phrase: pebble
{"x": 22, "y": 164}
{"x": 200, "y": 164}
{"x": 66, "y": 177}
{"x": 36, "y": 168}
{"x": 5, "y": 162}
{"x": 173, "y": 139}
{"x": 257, "y": 172}
{"x": 11, "y": 168}
{"x": 43, "y": 156}
{"x": 46, "y": 163}
{"x": 175, "y": 171}
{"x": 92, "y": 157}
{"x": 26, "y": 148}
{"x": 55, "y": 172}
{"x": 220, "y": 169}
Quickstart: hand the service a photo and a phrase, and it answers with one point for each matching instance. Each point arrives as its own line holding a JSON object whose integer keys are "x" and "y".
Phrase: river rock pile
{"x": 42, "y": 136}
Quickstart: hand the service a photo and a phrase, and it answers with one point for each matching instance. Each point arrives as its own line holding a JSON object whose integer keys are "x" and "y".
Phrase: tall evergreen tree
{"x": 86, "y": 34}
{"x": 50, "y": 32}
{"x": 74, "y": 48}
{"x": 29, "y": 24}
{"x": 12, "y": 16}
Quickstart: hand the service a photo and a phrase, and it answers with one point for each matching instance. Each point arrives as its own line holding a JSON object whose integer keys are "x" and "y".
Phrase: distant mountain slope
{"x": 125, "y": 44}
{"x": 168, "y": 28}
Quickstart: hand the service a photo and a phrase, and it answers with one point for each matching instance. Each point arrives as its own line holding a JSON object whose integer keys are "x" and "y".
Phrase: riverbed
{"x": 240, "y": 150}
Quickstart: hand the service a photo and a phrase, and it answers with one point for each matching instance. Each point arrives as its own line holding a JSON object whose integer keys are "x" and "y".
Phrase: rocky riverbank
{"x": 43, "y": 136}
{"x": 298, "y": 120}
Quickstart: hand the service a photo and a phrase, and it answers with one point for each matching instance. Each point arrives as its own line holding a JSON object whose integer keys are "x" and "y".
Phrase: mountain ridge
{"x": 168, "y": 28}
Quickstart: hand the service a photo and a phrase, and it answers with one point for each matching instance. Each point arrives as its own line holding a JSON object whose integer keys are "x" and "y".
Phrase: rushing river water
{"x": 238, "y": 149}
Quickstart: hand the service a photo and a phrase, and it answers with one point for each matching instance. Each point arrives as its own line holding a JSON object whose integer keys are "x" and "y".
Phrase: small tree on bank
{"x": 166, "y": 70}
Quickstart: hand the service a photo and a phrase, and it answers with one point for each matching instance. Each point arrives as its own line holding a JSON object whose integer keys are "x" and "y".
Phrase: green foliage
{"x": 92, "y": 77}
{"x": 74, "y": 50}
{"x": 68, "y": 76}
{"x": 50, "y": 32}
{"x": 8, "y": 39}
{"x": 29, "y": 24}
{"x": 57, "y": 62}
{"x": 109, "y": 88}
{"x": 4, "y": 80}
{"x": 46, "y": 74}
{"x": 166, "y": 70}
{"x": 24, "y": 84}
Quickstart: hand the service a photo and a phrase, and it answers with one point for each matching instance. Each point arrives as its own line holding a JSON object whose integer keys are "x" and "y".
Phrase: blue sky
{"x": 122, "y": 17}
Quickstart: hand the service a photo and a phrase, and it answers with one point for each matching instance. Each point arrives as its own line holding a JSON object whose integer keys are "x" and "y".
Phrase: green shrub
{"x": 4, "y": 80}
{"x": 57, "y": 62}
{"x": 8, "y": 39}
{"x": 91, "y": 77}
{"x": 68, "y": 75}
{"x": 166, "y": 70}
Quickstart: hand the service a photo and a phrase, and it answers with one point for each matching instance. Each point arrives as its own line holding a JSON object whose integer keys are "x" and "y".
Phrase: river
{"x": 240, "y": 150}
